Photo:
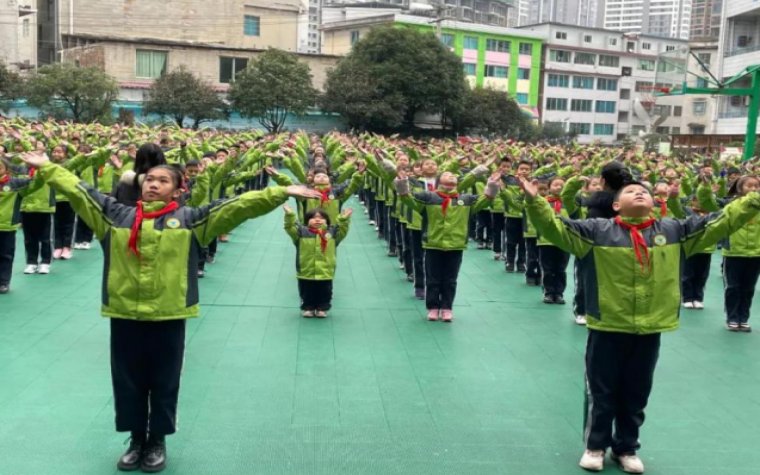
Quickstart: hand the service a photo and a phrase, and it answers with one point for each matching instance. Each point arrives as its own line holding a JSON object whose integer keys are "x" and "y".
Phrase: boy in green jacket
{"x": 632, "y": 279}
{"x": 150, "y": 288}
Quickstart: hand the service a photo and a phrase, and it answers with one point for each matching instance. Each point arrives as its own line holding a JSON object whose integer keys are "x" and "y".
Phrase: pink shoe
{"x": 447, "y": 315}
{"x": 57, "y": 253}
{"x": 66, "y": 254}
{"x": 433, "y": 314}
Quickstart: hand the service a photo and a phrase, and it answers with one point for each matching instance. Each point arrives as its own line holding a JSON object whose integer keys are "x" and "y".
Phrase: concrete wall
{"x": 18, "y": 34}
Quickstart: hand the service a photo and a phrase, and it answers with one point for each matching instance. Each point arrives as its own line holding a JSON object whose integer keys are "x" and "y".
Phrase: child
{"x": 150, "y": 288}
{"x": 553, "y": 259}
{"x": 513, "y": 226}
{"x": 316, "y": 245}
{"x": 632, "y": 286}
{"x": 446, "y": 216}
{"x": 37, "y": 210}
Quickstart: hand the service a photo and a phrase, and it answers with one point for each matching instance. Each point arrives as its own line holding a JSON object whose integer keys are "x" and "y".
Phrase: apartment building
{"x": 598, "y": 83}
{"x": 668, "y": 18}
{"x": 18, "y": 34}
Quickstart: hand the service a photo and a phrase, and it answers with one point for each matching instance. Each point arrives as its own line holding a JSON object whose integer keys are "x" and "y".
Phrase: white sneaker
{"x": 43, "y": 269}
{"x": 580, "y": 319}
{"x": 77, "y": 245}
{"x": 30, "y": 269}
{"x": 688, "y": 305}
{"x": 629, "y": 463}
{"x": 592, "y": 460}
{"x": 371, "y": 222}
{"x": 85, "y": 246}
{"x": 699, "y": 305}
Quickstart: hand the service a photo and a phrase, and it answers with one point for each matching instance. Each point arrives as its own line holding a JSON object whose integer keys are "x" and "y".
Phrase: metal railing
{"x": 733, "y": 115}
{"x": 738, "y": 51}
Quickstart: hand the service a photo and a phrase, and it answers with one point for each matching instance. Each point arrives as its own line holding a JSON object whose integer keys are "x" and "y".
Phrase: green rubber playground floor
{"x": 373, "y": 389}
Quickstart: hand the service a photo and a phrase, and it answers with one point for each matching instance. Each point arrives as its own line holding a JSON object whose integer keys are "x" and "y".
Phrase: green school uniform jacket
{"x": 162, "y": 283}
{"x": 621, "y": 297}
{"x": 745, "y": 242}
{"x": 445, "y": 232}
{"x": 10, "y": 201}
{"x": 311, "y": 262}
{"x": 42, "y": 200}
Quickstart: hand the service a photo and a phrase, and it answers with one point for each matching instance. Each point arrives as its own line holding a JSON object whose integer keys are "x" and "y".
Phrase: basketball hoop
{"x": 646, "y": 98}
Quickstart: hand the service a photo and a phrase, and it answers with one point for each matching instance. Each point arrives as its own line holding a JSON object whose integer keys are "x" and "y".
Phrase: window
{"x": 630, "y": 46}
{"x": 604, "y": 129}
{"x": 646, "y": 64}
{"x": 702, "y": 82}
{"x": 558, "y": 80}
{"x": 670, "y": 48}
{"x": 470, "y": 42}
{"x": 609, "y": 61}
{"x": 581, "y": 105}
{"x": 643, "y": 86}
{"x": 496, "y": 71}
{"x": 625, "y": 93}
{"x": 612, "y": 41}
{"x": 25, "y": 27}
{"x": 150, "y": 64}
{"x": 662, "y": 110}
{"x": 605, "y": 107}
{"x": 587, "y": 38}
{"x": 447, "y": 39}
{"x": 742, "y": 41}
{"x": 606, "y": 84}
{"x": 626, "y": 70}
{"x": 637, "y": 128}
{"x": 561, "y": 35}
{"x": 677, "y": 111}
{"x": 704, "y": 57}
{"x": 526, "y": 48}
{"x": 469, "y": 69}
{"x": 581, "y": 82}
{"x": 556, "y": 104}
{"x": 580, "y": 128}
{"x": 646, "y": 45}
{"x": 500, "y": 46}
{"x": 522, "y": 98}
{"x": 699, "y": 107}
{"x": 560, "y": 56}
{"x": 523, "y": 73}
{"x": 354, "y": 37}
{"x": 585, "y": 58}
{"x": 252, "y": 25}
{"x": 675, "y": 130}
{"x": 661, "y": 130}
{"x": 697, "y": 129}
{"x": 230, "y": 67}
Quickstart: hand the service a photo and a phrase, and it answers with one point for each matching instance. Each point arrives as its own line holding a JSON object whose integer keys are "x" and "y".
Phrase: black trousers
{"x": 619, "y": 375}
{"x": 497, "y": 232}
{"x": 315, "y": 294}
{"x": 63, "y": 226}
{"x": 554, "y": 267}
{"x": 212, "y": 247}
{"x": 516, "y": 242}
{"x": 483, "y": 226}
{"x": 37, "y": 237}
{"x": 695, "y": 273}
{"x": 146, "y": 364}
{"x": 418, "y": 259}
{"x": 7, "y": 252}
{"x": 533, "y": 268}
{"x": 84, "y": 233}
{"x": 371, "y": 204}
{"x": 380, "y": 218}
{"x": 579, "y": 300}
{"x": 739, "y": 279}
{"x": 390, "y": 233}
{"x": 441, "y": 272}
{"x": 406, "y": 250}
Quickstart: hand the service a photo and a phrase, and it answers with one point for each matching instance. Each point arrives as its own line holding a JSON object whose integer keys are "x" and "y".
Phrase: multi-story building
{"x": 739, "y": 48}
{"x": 598, "y": 84}
{"x": 18, "y": 34}
{"x": 705, "y": 20}
{"x": 701, "y": 107}
{"x": 233, "y": 23}
{"x": 570, "y": 12}
{"x": 668, "y": 18}
{"x": 505, "y": 59}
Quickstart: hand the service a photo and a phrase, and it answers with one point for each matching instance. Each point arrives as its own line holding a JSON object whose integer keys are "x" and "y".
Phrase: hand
{"x": 529, "y": 187}
{"x": 584, "y": 180}
{"x": 361, "y": 166}
{"x": 347, "y": 212}
{"x": 401, "y": 175}
{"x": 287, "y": 209}
{"x": 495, "y": 178}
{"x": 271, "y": 170}
{"x": 115, "y": 161}
{"x": 300, "y": 191}
{"x": 34, "y": 159}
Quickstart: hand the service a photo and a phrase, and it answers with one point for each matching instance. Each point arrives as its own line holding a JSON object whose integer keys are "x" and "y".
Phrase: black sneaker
{"x": 732, "y": 326}
{"x": 549, "y": 299}
{"x": 201, "y": 273}
{"x": 153, "y": 456}
{"x": 4, "y": 289}
{"x": 509, "y": 268}
{"x": 210, "y": 259}
{"x": 533, "y": 281}
{"x": 521, "y": 268}
{"x": 392, "y": 254}
{"x": 410, "y": 277}
{"x": 558, "y": 299}
{"x": 744, "y": 327}
{"x": 130, "y": 461}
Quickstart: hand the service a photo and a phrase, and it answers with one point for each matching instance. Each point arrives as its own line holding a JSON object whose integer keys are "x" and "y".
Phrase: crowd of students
{"x": 160, "y": 200}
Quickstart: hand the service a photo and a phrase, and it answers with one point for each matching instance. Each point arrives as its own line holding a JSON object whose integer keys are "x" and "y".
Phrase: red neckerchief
{"x": 446, "y": 200}
{"x": 430, "y": 187}
{"x": 663, "y": 207}
{"x": 325, "y": 196}
{"x": 139, "y": 216}
{"x": 100, "y": 171}
{"x": 556, "y": 203}
{"x": 637, "y": 240}
{"x": 32, "y": 171}
{"x": 322, "y": 237}
{"x": 5, "y": 179}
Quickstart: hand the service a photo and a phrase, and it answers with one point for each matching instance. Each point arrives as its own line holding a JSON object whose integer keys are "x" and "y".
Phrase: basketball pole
{"x": 754, "y": 107}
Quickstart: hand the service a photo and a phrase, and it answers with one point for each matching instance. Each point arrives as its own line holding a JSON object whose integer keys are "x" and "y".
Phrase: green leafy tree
{"x": 60, "y": 89}
{"x": 490, "y": 112}
{"x": 272, "y": 86}
{"x": 11, "y": 86}
{"x": 182, "y": 95}
{"x": 409, "y": 70}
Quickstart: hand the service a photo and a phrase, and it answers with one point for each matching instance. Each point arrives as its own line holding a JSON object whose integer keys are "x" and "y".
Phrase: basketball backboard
{"x": 680, "y": 69}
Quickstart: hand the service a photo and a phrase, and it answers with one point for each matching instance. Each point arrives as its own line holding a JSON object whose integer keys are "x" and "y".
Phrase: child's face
{"x": 750, "y": 185}
{"x": 57, "y": 155}
{"x": 192, "y": 171}
{"x": 429, "y": 167}
{"x": 594, "y": 185}
{"x": 661, "y": 190}
{"x": 504, "y": 167}
{"x": 321, "y": 179}
{"x": 634, "y": 201}
{"x": 556, "y": 187}
{"x": 448, "y": 180}
{"x": 317, "y": 221}
{"x": 159, "y": 186}
{"x": 543, "y": 189}
{"x": 523, "y": 170}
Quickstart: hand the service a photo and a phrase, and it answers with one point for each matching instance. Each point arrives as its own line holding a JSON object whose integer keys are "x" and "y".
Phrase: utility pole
{"x": 440, "y": 16}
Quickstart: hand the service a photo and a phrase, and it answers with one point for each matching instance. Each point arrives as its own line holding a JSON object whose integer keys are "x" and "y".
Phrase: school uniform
{"x": 37, "y": 210}
{"x": 11, "y": 191}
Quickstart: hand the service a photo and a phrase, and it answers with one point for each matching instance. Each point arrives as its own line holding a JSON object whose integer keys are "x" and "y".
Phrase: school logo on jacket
{"x": 172, "y": 223}
{"x": 660, "y": 240}
{"x": 6, "y": 188}
{"x": 328, "y": 236}
{"x": 460, "y": 202}
{"x": 331, "y": 196}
